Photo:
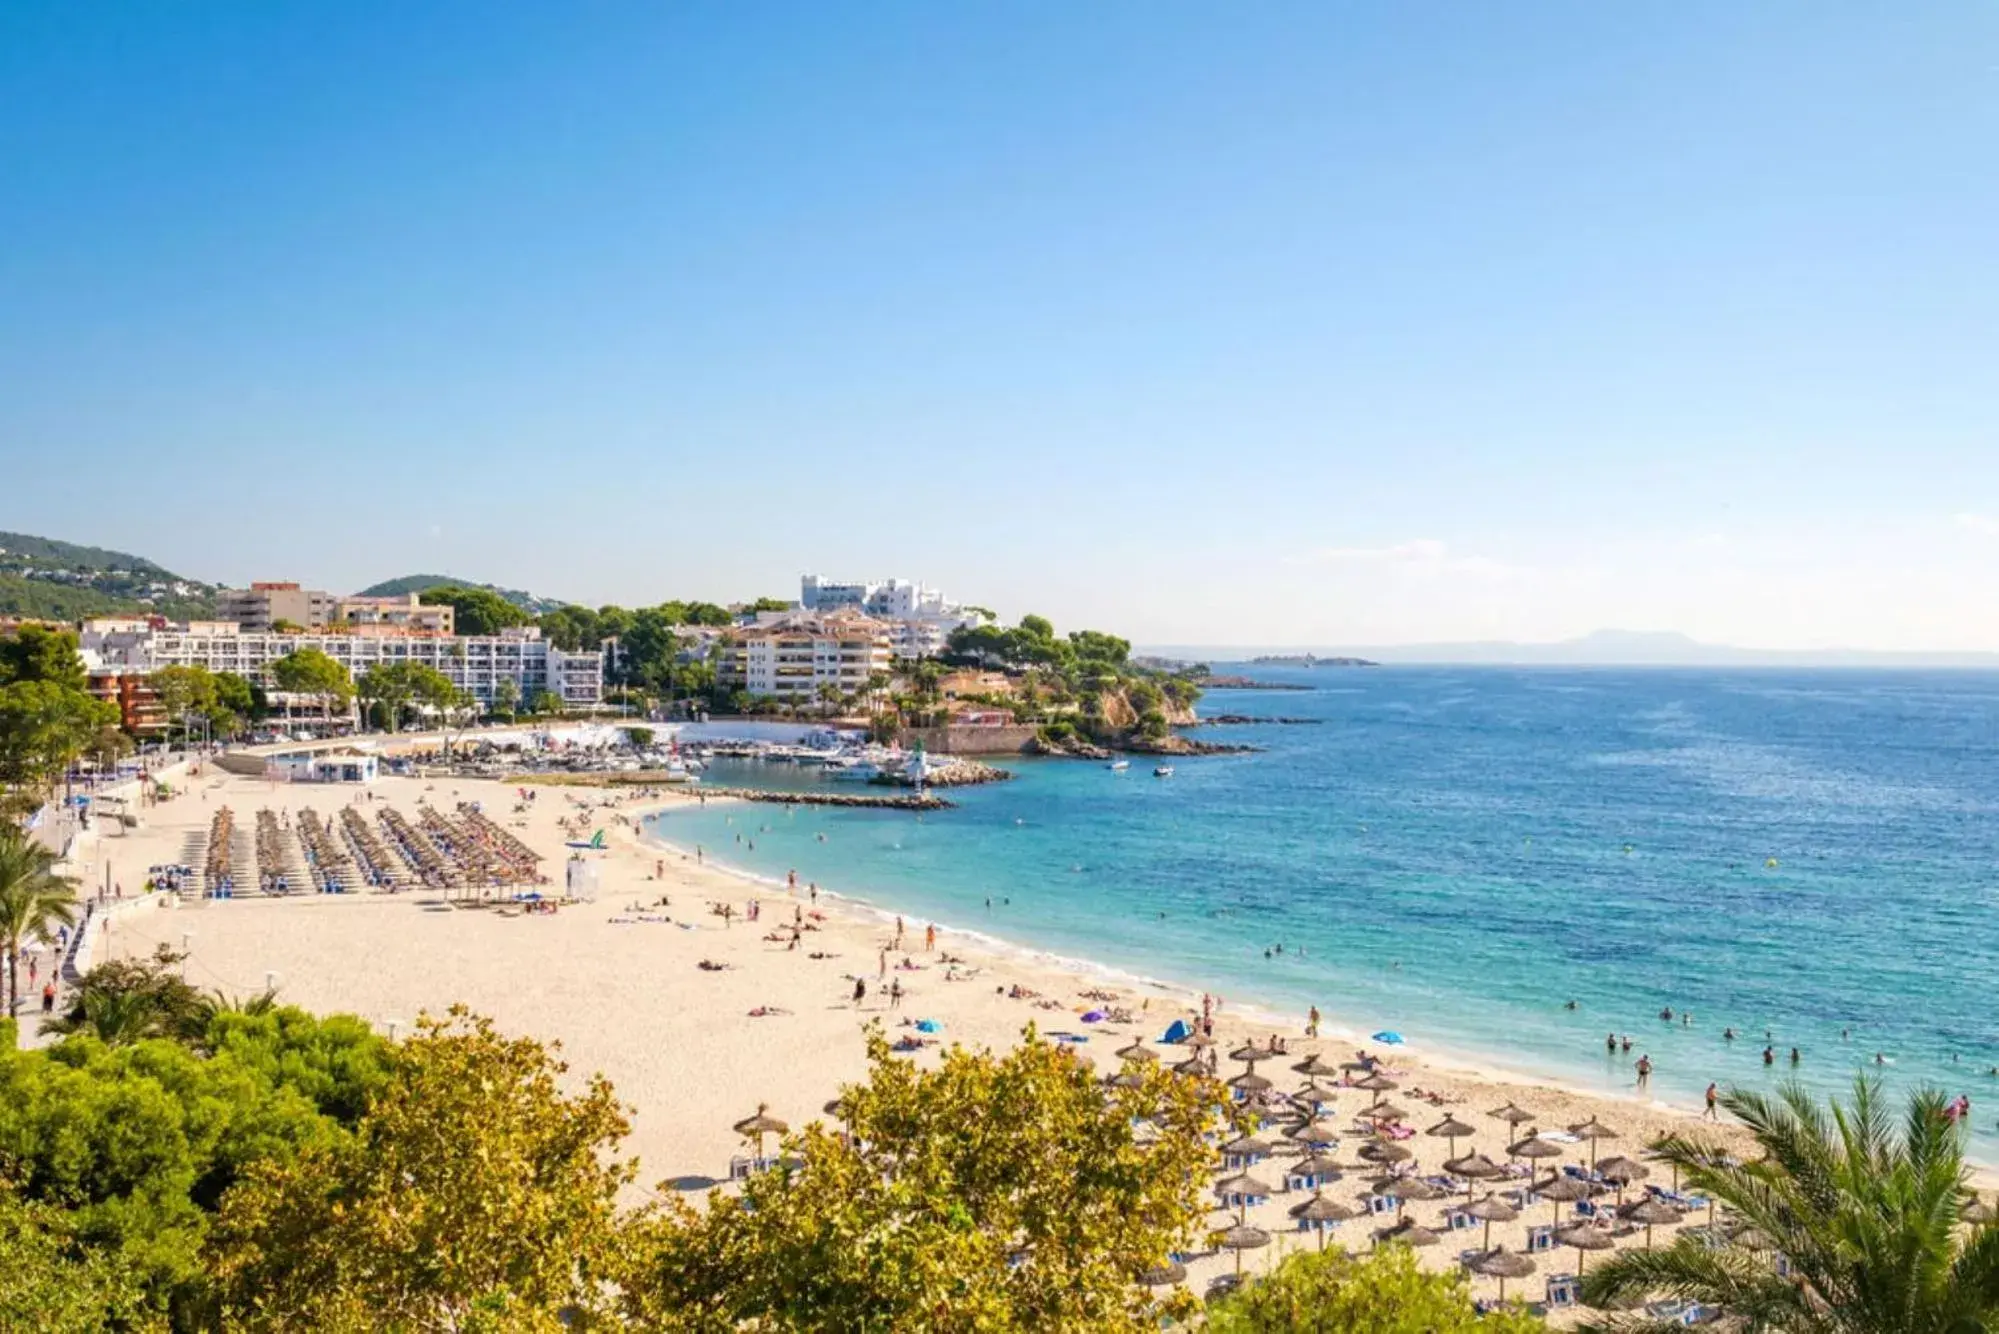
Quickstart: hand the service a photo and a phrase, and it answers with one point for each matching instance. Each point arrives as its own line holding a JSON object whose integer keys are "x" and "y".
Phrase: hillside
{"x": 418, "y": 583}
{"x": 44, "y": 577}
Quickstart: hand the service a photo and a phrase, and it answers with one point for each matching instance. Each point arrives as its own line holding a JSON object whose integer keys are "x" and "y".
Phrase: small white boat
{"x": 1163, "y": 771}
{"x": 1115, "y": 765}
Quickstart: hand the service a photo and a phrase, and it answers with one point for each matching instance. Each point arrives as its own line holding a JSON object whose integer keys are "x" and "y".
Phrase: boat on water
{"x": 1163, "y": 771}
{"x": 1116, "y": 765}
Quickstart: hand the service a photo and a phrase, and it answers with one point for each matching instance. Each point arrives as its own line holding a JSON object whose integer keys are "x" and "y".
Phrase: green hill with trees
{"x": 424, "y": 583}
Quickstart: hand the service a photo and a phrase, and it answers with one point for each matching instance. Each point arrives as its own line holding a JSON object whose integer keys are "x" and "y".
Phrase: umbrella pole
{"x": 1488, "y": 1242}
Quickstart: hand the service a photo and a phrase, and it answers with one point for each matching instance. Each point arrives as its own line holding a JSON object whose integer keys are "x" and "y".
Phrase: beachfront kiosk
{"x": 345, "y": 765}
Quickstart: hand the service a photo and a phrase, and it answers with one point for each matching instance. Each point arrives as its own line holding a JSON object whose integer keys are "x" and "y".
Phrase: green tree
{"x": 506, "y": 697}
{"x": 544, "y": 703}
{"x": 53, "y": 1283}
{"x": 1386, "y": 1292}
{"x": 34, "y": 899}
{"x": 998, "y": 1192}
{"x": 475, "y": 611}
{"x": 397, "y": 686}
{"x": 571, "y": 628}
{"x": 768, "y": 604}
{"x": 44, "y": 726}
{"x": 1862, "y": 1203}
{"x": 308, "y": 671}
{"x": 239, "y": 696}
{"x": 473, "y": 1188}
{"x": 185, "y": 693}
{"x": 129, "y": 1000}
{"x": 37, "y": 653}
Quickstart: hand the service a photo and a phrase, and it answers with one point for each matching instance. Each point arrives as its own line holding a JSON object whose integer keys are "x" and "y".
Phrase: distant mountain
{"x": 418, "y": 583}
{"x": 1621, "y": 648}
{"x": 43, "y": 577}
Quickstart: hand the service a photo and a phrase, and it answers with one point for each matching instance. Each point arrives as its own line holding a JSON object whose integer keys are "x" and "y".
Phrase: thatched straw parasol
{"x": 1452, "y": 1129}
{"x": 1473, "y": 1167}
{"x": 1977, "y": 1211}
{"x": 1585, "y": 1237}
{"x": 1242, "y": 1238}
{"x": 1248, "y": 1146}
{"x": 1160, "y": 1276}
{"x": 1408, "y": 1232}
{"x": 756, "y": 1127}
{"x": 1382, "y": 1151}
{"x": 1490, "y": 1210}
{"x": 1320, "y": 1209}
{"x": 1533, "y": 1147}
{"x": 1249, "y": 1082}
{"x": 1652, "y": 1212}
{"x": 1512, "y": 1115}
{"x": 1502, "y": 1264}
{"x": 1314, "y": 1068}
{"x": 1620, "y": 1172}
{"x": 1562, "y": 1190}
{"x": 1592, "y": 1130}
{"x": 1136, "y": 1051}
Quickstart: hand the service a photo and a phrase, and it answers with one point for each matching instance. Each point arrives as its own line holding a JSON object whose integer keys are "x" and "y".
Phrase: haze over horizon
{"x": 1300, "y": 325}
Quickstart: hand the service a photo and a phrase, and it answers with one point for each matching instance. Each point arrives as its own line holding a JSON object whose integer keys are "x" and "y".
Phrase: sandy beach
{"x": 618, "y": 983}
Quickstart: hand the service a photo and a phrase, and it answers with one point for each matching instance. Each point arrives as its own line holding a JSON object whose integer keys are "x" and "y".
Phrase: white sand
{"x": 679, "y": 1043}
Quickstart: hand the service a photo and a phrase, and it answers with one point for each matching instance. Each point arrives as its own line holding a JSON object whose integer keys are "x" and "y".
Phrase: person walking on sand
{"x": 1644, "y": 1070}
{"x": 860, "y": 991}
{"x": 1713, "y": 1097}
{"x": 1312, "y": 1022}
{"x": 881, "y": 966}
{"x": 898, "y": 930}
{"x": 930, "y": 939}
{"x": 895, "y": 994}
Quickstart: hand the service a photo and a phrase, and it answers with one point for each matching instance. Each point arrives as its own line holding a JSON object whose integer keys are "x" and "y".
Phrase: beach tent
{"x": 1389, "y": 1036}
{"x": 929, "y": 1026}
{"x": 1177, "y": 1032}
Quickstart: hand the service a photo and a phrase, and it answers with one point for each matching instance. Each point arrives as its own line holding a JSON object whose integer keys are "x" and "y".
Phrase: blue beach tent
{"x": 1178, "y": 1032}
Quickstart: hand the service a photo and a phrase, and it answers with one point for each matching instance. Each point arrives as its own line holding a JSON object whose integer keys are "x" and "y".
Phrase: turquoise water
{"x": 1457, "y": 853}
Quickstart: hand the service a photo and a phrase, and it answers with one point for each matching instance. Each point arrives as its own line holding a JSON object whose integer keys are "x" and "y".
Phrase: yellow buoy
{"x": 1769, "y": 863}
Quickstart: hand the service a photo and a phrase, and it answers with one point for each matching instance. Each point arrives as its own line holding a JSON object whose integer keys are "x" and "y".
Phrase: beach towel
{"x": 1093, "y": 1017}
{"x": 929, "y": 1026}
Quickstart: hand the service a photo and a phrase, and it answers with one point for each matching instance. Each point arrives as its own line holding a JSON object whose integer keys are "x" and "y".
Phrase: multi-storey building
{"x": 139, "y": 709}
{"x": 473, "y": 663}
{"x": 407, "y": 611}
{"x": 791, "y": 657}
{"x": 920, "y": 619}
{"x": 262, "y": 605}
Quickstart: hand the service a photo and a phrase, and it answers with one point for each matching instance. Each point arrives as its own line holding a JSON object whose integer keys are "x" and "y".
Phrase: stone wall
{"x": 1009, "y": 740}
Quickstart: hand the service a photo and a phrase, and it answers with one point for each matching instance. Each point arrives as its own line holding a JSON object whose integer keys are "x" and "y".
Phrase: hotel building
{"x": 263, "y": 605}
{"x": 791, "y": 656}
{"x": 919, "y": 619}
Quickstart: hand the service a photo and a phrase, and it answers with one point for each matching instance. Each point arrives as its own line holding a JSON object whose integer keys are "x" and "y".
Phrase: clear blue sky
{"x": 1273, "y": 323}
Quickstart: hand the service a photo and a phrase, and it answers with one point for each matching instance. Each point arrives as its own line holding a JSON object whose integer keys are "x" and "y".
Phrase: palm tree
{"x": 33, "y": 899}
{"x": 1865, "y": 1211}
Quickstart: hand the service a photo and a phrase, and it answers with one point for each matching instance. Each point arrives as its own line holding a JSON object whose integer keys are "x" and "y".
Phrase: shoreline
{"x": 1265, "y": 1015}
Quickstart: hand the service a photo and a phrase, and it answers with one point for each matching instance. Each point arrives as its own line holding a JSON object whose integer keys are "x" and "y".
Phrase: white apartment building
{"x": 473, "y": 663}
{"x": 920, "y": 619}
{"x": 791, "y": 657}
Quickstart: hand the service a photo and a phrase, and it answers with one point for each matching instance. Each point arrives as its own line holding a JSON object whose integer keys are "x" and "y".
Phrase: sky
{"x": 1315, "y": 324}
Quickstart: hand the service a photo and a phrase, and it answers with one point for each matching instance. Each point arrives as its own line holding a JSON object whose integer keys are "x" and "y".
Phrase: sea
{"x": 1503, "y": 866}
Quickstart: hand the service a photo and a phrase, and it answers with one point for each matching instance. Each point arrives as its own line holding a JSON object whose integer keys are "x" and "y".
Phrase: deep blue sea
{"x": 1456, "y": 853}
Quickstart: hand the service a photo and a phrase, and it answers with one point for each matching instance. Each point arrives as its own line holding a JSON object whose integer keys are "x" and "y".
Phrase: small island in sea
{"x": 1310, "y": 660}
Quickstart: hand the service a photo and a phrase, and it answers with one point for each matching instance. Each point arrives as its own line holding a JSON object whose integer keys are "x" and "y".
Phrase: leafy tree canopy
{"x": 37, "y": 653}
{"x": 998, "y": 1192}
{"x": 308, "y": 671}
{"x": 1385, "y": 1292}
{"x": 476, "y": 611}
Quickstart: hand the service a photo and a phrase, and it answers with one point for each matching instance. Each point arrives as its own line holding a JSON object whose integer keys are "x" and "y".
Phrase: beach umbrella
{"x": 1136, "y": 1051}
{"x": 1313, "y": 1067}
{"x": 1193, "y": 1065}
{"x": 1620, "y": 1172}
{"x": 1561, "y": 1190}
{"x": 1248, "y": 1146}
{"x": 1160, "y": 1276}
{"x": 1584, "y": 1237}
{"x": 1534, "y": 1147}
{"x": 1316, "y": 1131}
{"x": 1376, "y": 1084}
{"x": 1405, "y": 1191}
{"x": 1978, "y": 1211}
{"x": 1657, "y": 1155}
{"x": 1381, "y": 1151}
{"x": 1242, "y": 1183}
{"x": 1409, "y": 1233}
{"x": 1452, "y": 1129}
{"x": 1473, "y": 1167}
{"x": 1316, "y": 1165}
{"x": 1490, "y": 1210}
{"x": 760, "y": 1125}
{"x": 1124, "y": 1079}
{"x": 1357, "y": 1067}
{"x": 1387, "y": 1111}
{"x": 1242, "y": 1238}
{"x": 1315, "y": 1093}
{"x": 1249, "y": 1051}
{"x": 1502, "y": 1264}
{"x": 1512, "y": 1115}
{"x": 836, "y": 1109}
{"x": 1320, "y": 1209}
{"x": 1592, "y": 1130}
{"x": 1652, "y": 1212}
{"x": 1197, "y": 1041}
{"x": 1249, "y": 1082}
